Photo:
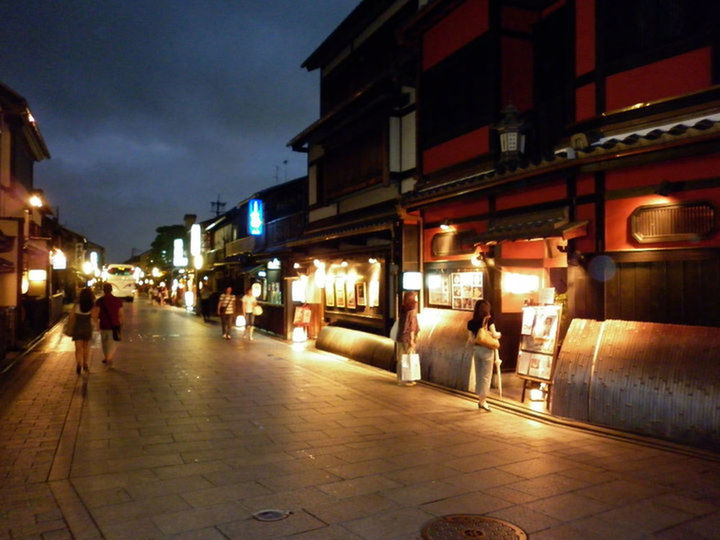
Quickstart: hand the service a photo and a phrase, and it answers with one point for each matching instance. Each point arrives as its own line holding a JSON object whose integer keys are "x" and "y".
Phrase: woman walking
{"x": 407, "y": 331}
{"x": 249, "y": 302}
{"x": 483, "y": 357}
{"x": 85, "y": 314}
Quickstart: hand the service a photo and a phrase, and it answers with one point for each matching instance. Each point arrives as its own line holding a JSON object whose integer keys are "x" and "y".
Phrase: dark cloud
{"x": 153, "y": 109}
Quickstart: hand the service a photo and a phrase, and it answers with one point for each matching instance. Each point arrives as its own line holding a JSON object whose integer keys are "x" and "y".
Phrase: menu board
{"x": 538, "y": 341}
{"x": 467, "y": 288}
{"x": 330, "y": 292}
{"x": 350, "y": 294}
{"x": 439, "y": 289}
{"x": 340, "y": 293}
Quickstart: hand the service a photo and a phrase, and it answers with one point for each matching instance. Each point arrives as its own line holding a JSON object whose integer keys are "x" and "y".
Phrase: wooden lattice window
{"x": 688, "y": 221}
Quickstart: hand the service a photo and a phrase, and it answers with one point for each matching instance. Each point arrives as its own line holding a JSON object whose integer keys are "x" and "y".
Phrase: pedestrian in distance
{"x": 226, "y": 311}
{"x": 407, "y": 332}
{"x": 84, "y": 315}
{"x": 248, "y": 303}
{"x": 483, "y": 357}
{"x": 110, "y": 314}
{"x": 205, "y": 296}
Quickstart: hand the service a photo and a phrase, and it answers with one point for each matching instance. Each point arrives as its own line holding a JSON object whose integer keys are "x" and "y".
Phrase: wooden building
{"x": 361, "y": 158}
{"x": 569, "y": 145}
{"x": 24, "y": 248}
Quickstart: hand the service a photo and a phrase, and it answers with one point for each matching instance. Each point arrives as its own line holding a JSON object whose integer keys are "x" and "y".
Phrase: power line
{"x": 217, "y": 206}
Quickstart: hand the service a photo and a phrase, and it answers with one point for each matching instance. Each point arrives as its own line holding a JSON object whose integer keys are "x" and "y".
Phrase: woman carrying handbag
{"x": 485, "y": 340}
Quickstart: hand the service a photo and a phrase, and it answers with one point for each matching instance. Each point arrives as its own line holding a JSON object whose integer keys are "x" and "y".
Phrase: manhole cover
{"x": 460, "y": 526}
{"x": 271, "y": 515}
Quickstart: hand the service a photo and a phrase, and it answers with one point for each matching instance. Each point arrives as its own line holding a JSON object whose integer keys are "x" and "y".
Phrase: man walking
{"x": 110, "y": 312}
{"x": 226, "y": 311}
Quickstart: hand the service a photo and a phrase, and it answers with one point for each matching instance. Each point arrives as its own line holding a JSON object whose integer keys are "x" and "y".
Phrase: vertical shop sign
{"x": 256, "y": 220}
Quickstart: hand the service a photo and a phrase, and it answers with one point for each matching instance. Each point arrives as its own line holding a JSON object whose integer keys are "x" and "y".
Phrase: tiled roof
{"x": 568, "y": 157}
{"x": 365, "y": 227}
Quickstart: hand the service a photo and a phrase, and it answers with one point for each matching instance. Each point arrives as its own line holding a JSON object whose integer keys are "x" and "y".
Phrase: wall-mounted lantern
{"x": 36, "y": 198}
{"x": 512, "y": 136}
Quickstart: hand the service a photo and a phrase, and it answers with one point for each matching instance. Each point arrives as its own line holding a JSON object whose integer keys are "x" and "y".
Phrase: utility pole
{"x": 217, "y": 206}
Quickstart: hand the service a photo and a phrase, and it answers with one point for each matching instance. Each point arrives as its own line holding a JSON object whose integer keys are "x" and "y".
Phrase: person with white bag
{"x": 250, "y": 310}
{"x": 408, "y": 362}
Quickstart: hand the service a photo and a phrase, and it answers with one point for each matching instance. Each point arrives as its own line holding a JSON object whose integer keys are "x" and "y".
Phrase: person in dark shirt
{"x": 110, "y": 313}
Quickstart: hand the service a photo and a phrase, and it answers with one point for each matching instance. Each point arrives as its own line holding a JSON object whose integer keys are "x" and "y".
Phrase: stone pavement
{"x": 189, "y": 435}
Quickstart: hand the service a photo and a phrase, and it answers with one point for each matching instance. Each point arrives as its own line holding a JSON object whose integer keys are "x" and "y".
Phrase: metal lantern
{"x": 512, "y": 137}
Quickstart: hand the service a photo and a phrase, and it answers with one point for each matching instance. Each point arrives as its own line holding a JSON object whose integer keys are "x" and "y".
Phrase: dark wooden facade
{"x": 361, "y": 158}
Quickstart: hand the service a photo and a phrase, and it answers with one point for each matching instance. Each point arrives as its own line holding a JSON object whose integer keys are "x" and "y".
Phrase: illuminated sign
{"x": 412, "y": 281}
{"x": 195, "y": 240}
{"x": 179, "y": 258}
{"x": 255, "y": 217}
{"x": 37, "y": 275}
{"x": 58, "y": 259}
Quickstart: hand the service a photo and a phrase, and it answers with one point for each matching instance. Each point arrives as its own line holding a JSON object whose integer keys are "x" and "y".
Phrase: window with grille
{"x": 674, "y": 222}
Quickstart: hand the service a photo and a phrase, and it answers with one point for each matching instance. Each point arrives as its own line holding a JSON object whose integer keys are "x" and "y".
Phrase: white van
{"x": 122, "y": 279}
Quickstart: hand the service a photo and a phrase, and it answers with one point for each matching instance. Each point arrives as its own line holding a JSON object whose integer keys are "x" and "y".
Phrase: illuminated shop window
{"x": 521, "y": 286}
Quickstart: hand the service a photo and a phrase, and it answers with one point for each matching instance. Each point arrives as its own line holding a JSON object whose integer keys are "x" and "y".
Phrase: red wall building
{"x": 613, "y": 200}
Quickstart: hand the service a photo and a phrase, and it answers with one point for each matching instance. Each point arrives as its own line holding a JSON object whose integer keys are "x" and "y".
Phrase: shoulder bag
{"x": 484, "y": 337}
{"x": 69, "y": 326}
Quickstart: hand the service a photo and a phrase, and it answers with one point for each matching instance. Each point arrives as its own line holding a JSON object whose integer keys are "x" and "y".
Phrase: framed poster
{"x": 374, "y": 293}
{"x": 360, "y": 293}
{"x": 330, "y": 293}
{"x": 467, "y": 288}
{"x": 340, "y": 293}
{"x": 536, "y": 366}
{"x": 539, "y": 331}
{"x": 350, "y": 295}
{"x": 439, "y": 289}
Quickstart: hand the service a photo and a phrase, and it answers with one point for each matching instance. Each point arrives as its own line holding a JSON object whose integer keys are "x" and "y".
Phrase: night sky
{"x": 153, "y": 108}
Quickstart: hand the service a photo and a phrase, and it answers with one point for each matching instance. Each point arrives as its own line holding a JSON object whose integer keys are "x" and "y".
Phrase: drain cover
{"x": 271, "y": 515}
{"x": 459, "y": 526}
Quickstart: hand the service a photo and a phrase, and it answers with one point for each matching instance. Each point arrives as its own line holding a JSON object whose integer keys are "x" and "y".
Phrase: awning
{"x": 544, "y": 224}
{"x": 342, "y": 232}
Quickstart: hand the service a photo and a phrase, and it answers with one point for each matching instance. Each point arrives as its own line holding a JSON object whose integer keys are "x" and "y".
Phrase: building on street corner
{"x": 556, "y": 157}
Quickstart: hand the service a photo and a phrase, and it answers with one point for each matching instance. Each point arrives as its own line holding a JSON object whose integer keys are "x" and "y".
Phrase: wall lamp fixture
{"x": 445, "y": 226}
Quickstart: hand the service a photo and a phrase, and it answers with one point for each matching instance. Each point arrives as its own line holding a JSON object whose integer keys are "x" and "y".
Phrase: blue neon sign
{"x": 256, "y": 221}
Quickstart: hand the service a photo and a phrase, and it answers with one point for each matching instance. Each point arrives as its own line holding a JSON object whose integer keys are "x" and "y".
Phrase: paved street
{"x": 189, "y": 435}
